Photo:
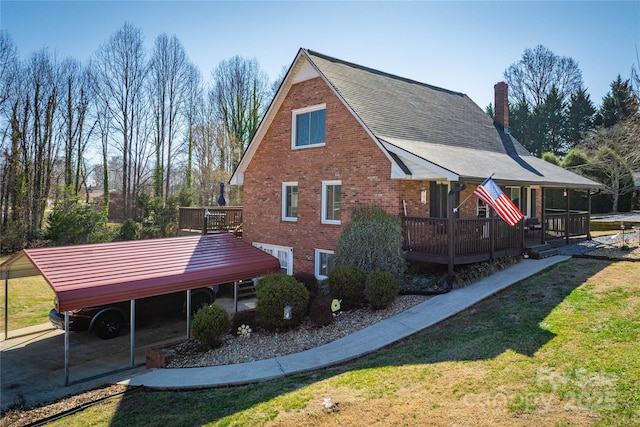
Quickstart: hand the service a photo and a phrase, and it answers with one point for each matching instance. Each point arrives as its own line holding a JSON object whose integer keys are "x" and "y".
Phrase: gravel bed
{"x": 612, "y": 241}
{"x": 263, "y": 344}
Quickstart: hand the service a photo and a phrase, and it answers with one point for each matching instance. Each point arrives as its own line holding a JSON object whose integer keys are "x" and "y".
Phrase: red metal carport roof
{"x": 90, "y": 275}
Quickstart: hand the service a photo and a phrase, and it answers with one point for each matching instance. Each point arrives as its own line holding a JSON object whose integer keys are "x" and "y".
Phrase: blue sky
{"x": 461, "y": 46}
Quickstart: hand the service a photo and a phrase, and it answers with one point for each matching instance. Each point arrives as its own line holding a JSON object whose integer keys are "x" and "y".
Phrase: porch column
{"x": 451, "y": 229}
{"x": 567, "y": 218}
{"x": 589, "y": 214}
{"x": 543, "y": 216}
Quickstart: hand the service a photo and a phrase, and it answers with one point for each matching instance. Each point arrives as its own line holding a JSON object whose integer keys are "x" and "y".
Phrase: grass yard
{"x": 559, "y": 349}
{"x": 30, "y": 300}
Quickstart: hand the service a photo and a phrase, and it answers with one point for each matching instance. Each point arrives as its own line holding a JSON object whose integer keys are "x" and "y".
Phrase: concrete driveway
{"x": 32, "y": 362}
{"x": 32, "y": 359}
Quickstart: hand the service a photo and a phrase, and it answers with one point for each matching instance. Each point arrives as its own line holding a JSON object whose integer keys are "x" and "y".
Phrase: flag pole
{"x": 467, "y": 198}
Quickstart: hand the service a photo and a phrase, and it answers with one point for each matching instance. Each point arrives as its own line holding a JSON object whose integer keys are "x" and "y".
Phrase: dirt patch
{"x": 17, "y": 417}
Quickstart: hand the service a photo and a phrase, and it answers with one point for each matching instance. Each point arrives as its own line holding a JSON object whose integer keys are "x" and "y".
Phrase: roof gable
{"x": 426, "y": 132}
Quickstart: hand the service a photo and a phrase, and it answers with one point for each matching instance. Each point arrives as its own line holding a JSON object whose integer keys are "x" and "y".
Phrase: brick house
{"x": 338, "y": 135}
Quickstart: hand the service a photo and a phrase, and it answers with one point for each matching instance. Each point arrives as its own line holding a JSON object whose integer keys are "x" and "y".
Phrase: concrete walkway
{"x": 349, "y": 347}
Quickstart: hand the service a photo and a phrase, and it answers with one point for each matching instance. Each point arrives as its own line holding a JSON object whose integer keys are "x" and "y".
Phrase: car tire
{"x": 200, "y": 299}
{"x": 108, "y": 324}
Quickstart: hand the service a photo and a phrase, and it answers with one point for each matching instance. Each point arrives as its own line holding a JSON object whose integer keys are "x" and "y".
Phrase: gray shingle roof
{"x": 443, "y": 127}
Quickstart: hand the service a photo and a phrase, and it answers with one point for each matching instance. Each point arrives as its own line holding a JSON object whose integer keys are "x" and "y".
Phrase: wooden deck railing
{"x": 559, "y": 223}
{"x": 475, "y": 239}
{"x": 218, "y": 218}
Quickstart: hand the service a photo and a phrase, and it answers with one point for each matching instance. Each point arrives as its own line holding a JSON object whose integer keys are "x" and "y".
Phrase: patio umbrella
{"x": 221, "y": 201}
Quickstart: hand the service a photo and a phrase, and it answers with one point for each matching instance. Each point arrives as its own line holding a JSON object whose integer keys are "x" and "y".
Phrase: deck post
{"x": 543, "y": 231}
{"x": 451, "y": 230}
{"x": 567, "y": 218}
{"x": 589, "y": 214}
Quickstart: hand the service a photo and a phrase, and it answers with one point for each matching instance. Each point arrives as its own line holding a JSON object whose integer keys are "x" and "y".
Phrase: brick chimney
{"x": 501, "y": 108}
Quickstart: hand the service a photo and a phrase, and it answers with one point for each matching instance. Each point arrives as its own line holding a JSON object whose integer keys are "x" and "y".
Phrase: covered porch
{"x": 484, "y": 239}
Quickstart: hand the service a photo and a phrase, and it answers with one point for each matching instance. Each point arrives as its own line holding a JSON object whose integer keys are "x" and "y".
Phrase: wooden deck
{"x": 211, "y": 219}
{"x": 483, "y": 239}
{"x": 426, "y": 239}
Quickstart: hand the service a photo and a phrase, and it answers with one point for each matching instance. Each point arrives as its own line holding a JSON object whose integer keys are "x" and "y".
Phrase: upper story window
{"x": 289, "y": 201}
{"x": 308, "y": 127}
{"x": 331, "y": 201}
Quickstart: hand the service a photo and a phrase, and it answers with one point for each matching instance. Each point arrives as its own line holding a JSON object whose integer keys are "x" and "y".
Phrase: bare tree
{"x": 74, "y": 111}
{"x": 169, "y": 83}
{"x": 614, "y": 154}
{"x": 539, "y": 69}
{"x": 120, "y": 72}
{"x": 239, "y": 96}
{"x": 193, "y": 108}
{"x": 8, "y": 64}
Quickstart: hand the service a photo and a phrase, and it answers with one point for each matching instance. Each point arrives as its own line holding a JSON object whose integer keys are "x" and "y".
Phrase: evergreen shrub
{"x": 247, "y": 317}
{"x": 320, "y": 313}
{"x": 382, "y": 289}
{"x": 372, "y": 240}
{"x": 210, "y": 324}
{"x": 274, "y": 292}
{"x": 310, "y": 283}
{"x": 347, "y": 283}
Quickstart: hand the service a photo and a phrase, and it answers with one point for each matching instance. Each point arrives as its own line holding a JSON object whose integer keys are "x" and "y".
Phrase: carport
{"x": 98, "y": 274}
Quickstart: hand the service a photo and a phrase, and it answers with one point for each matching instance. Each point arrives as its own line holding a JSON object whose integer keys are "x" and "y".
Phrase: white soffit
{"x": 420, "y": 168}
{"x": 305, "y": 72}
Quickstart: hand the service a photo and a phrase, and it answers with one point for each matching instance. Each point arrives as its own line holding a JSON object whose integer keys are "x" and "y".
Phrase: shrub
{"x": 346, "y": 283}
{"x": 310, "y": 283}
{"x": 320, "y": 313}
{"x": 129, "y": 230}
{"x": 382, "y": 289}
{"x": 210, "y": 324}
{"x": 372, "y": 240}
{"x": 274, "y": 292}
{"x": 247, "y": 317}
{"x": 72, "y": 221}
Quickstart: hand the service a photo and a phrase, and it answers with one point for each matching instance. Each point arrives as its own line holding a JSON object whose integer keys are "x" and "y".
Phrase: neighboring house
{"x": 338, "y": 135}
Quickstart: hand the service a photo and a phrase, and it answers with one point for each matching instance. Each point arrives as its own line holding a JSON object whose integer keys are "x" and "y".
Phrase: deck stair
{"x": 541, "y": 251}
{"x": 246, "y": 288}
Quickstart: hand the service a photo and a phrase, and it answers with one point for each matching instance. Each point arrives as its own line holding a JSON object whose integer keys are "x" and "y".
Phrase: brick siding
{"x": 350, "y": 155}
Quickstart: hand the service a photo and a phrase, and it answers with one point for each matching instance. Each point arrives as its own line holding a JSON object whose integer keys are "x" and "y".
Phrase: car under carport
{"x": 105, "y": 273}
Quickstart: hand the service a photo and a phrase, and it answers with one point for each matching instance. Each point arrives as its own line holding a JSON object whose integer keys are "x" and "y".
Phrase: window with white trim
{"x": 308, "y": 127}
{"x": 289, "y": 201}
{"x": 331, "y": 201}
{"x": 324, "y": 263}
{"x": 283, "y": 253}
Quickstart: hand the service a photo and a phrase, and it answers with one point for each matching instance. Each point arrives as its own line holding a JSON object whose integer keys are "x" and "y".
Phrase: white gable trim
{"x": 296, "y": 67}
{"x": 302, "y": 69}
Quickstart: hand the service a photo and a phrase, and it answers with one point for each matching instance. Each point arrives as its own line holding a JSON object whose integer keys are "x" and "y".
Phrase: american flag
{"x": 493, "y": 196}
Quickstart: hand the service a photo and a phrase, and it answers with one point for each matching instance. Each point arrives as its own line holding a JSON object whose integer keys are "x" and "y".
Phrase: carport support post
{"x": 188, "y": 313}
{"x": 133, "y": 333}
{"x": 6, "y": 305}
{"x": 66, "y": 348}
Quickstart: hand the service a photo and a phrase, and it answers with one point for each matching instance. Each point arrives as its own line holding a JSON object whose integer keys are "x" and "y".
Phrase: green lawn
{"x": 30, "y": 300}
{"x": 560, "y": 348}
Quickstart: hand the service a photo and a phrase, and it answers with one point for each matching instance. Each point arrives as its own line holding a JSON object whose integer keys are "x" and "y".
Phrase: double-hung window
{"x": 309, "y": 127}
{"x": 289, "y": 201}
{"x": 283, "y": 253}
{"x": 331, "y": 201}
{"x": 324, "y": 263}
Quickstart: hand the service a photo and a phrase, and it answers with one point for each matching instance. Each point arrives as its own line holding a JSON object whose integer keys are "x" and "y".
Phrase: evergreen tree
{"x": 581, "y": 117}
{"x": 619, "y": 104}
{"x": 554, "y": 122}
